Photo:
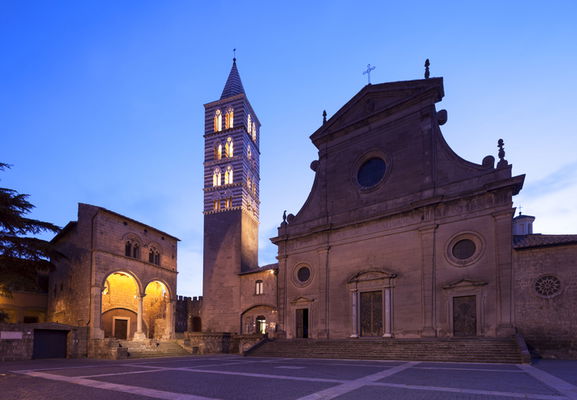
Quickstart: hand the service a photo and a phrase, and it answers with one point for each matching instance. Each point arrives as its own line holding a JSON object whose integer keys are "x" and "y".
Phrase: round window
{"x": 371, "y": 172}
{"x": 303, "y": 274}
{"x": 464, "y": 249}
{"x": 548, "y": 286}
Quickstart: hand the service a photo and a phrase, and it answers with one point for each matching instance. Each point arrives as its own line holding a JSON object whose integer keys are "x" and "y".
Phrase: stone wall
{"x": 187, "y": 317}
{"x": 548, "y": 323}
{"x": 210, "y": 343}
{"x": 17, "y": 340}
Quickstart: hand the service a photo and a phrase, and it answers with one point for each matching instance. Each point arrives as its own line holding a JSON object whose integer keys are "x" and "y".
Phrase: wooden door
{"x": 465, "y": 316}
{"x": 302, "y": 323}
{"x": 120, "y": 328}
{"x": 371, "y": 313}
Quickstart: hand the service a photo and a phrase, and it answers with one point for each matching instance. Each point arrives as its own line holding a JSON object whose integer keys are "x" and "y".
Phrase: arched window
{"x": 248, "y": 183}
{"x": 154, "y": 256}
{"x": 228, "y": 178}
{"x": 248, "y": 123}
{"x": 229, "y": 147}
{"x": 259, "y": 287}
{"x": 253, "y": 132}
{"x": 229, "y": 118}
{"x": 131, "y": 249}
{"x": 218, "y": 121}
{"x": 228, "y": 203}
{"x": 218, "y": 151}
{"x": 248, "y": 152}
{"x": 216, "y": 177}
{"x": 216, "y": 205}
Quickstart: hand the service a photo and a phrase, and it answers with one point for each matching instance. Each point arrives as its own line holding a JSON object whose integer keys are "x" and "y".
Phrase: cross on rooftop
{"x": 368, "y": 72}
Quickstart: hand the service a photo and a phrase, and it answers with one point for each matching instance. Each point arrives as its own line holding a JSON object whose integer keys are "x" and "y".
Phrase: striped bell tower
{"x": 231, "y": 203}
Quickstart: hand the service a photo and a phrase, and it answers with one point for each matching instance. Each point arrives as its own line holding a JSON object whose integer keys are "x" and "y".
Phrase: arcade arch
{"x": 120, "y": 305}
{"x": 157, "y": 310}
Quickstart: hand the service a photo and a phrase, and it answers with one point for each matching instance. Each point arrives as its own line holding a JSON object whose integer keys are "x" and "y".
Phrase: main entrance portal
{"x": 371, "y": 313}
{"x": 465, "y": 316}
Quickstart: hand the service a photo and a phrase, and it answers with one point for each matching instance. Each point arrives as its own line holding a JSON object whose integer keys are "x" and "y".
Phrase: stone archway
{"x": 120, "y": 305}
{"x": 157, "y": 310}
{"x": 259, "y": 319}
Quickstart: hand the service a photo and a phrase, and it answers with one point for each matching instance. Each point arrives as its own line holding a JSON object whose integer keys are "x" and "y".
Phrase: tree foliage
{"x": 21, "y": 256}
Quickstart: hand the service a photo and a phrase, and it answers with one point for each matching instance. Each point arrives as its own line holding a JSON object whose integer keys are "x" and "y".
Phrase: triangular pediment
{"x": 462, "y": 283}
{"x": 371, "y": 275}
{"x": 374, "y": 100}
{"x": 302, "y": 300}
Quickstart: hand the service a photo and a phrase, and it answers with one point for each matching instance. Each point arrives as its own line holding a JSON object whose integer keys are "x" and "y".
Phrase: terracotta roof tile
{"x": 538, "y": 240}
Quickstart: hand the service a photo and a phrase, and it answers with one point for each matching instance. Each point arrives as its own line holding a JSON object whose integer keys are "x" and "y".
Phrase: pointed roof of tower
{"x": 233, "y": 84}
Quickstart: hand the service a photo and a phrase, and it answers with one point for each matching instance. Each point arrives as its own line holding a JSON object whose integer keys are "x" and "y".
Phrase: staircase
{"x": 482, "y": 350}
{"x": 153, "y": 348}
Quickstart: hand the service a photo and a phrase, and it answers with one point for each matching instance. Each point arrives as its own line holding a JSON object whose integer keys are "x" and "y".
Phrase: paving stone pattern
{"x": 235, "y": 377}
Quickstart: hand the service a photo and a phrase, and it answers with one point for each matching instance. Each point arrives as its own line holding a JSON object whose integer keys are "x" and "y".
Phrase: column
{"x": 504, "y": 261}
{"x": 96, "y": 332}
{"x": 388, "y": 313}
{"x": 139, "y": 334}
{"x": 169, "y": 328}
{"x": 428, "y": 294}
{"x": 322, "y": 330}
{"x": 354, "y": 314}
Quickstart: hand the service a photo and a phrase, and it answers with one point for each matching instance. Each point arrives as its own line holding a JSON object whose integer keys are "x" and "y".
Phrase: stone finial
{"x": 427, "y": 73}
{"x": 502, "y": 162}
{"x": 324, "y": 116}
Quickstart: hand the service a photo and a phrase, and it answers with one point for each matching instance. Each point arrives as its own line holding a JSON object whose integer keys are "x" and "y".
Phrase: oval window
{"x": 464, "y": 249}
{"x": 371, "y": 172}
{"x": 303, "y": 274}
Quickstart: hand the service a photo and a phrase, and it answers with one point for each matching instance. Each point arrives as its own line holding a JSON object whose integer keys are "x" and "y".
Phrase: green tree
{"x": 21, "y": 256}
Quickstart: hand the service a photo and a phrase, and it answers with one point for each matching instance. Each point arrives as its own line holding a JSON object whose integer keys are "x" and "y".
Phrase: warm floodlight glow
{"x": 229, "y": 118}
{"x": 218, "y": 121}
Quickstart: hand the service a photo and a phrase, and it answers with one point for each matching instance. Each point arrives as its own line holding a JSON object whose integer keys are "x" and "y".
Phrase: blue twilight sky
{"x": 102, "y": 101}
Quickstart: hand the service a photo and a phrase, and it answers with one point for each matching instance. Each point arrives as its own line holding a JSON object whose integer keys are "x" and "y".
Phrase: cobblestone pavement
{"x": 235, "y": 377}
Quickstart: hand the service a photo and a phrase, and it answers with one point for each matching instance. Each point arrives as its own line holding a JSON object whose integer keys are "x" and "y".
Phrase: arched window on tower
{"x": 229, "y": 147}
{"x": 229, "y": 118}
{"x": 228, "y": 203}
{"x": 248, "y": 152}
{"x": 248, "y": 183}
{"x": 253, "y": 132}
{"x": 228, "y": 178}
{"x": 128, "y": 249}
{"x": 216, "y": 177}
{"x": 248, "y": 123}
{"x": 218, "y": 151}
{"x": 218, "y": 121}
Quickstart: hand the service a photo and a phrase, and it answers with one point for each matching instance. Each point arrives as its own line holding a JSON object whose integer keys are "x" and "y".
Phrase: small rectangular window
{"x": 259, "y": 287}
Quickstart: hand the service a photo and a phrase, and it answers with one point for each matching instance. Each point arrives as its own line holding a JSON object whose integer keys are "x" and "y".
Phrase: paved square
{"x": 235, "y": 377}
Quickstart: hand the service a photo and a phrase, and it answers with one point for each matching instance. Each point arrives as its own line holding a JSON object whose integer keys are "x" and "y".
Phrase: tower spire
{"x": 233, "y": 84}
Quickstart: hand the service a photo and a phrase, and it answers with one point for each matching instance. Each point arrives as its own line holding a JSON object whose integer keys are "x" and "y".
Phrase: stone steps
{"x": 489, "y": 350}
{"x": 153, "y": 348}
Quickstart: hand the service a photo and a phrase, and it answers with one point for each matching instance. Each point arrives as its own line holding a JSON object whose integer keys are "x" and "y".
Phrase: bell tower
{"x": 231, "y": 203}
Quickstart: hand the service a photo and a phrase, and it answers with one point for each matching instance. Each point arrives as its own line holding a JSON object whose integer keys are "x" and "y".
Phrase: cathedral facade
{"x": 399, "y": 237}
